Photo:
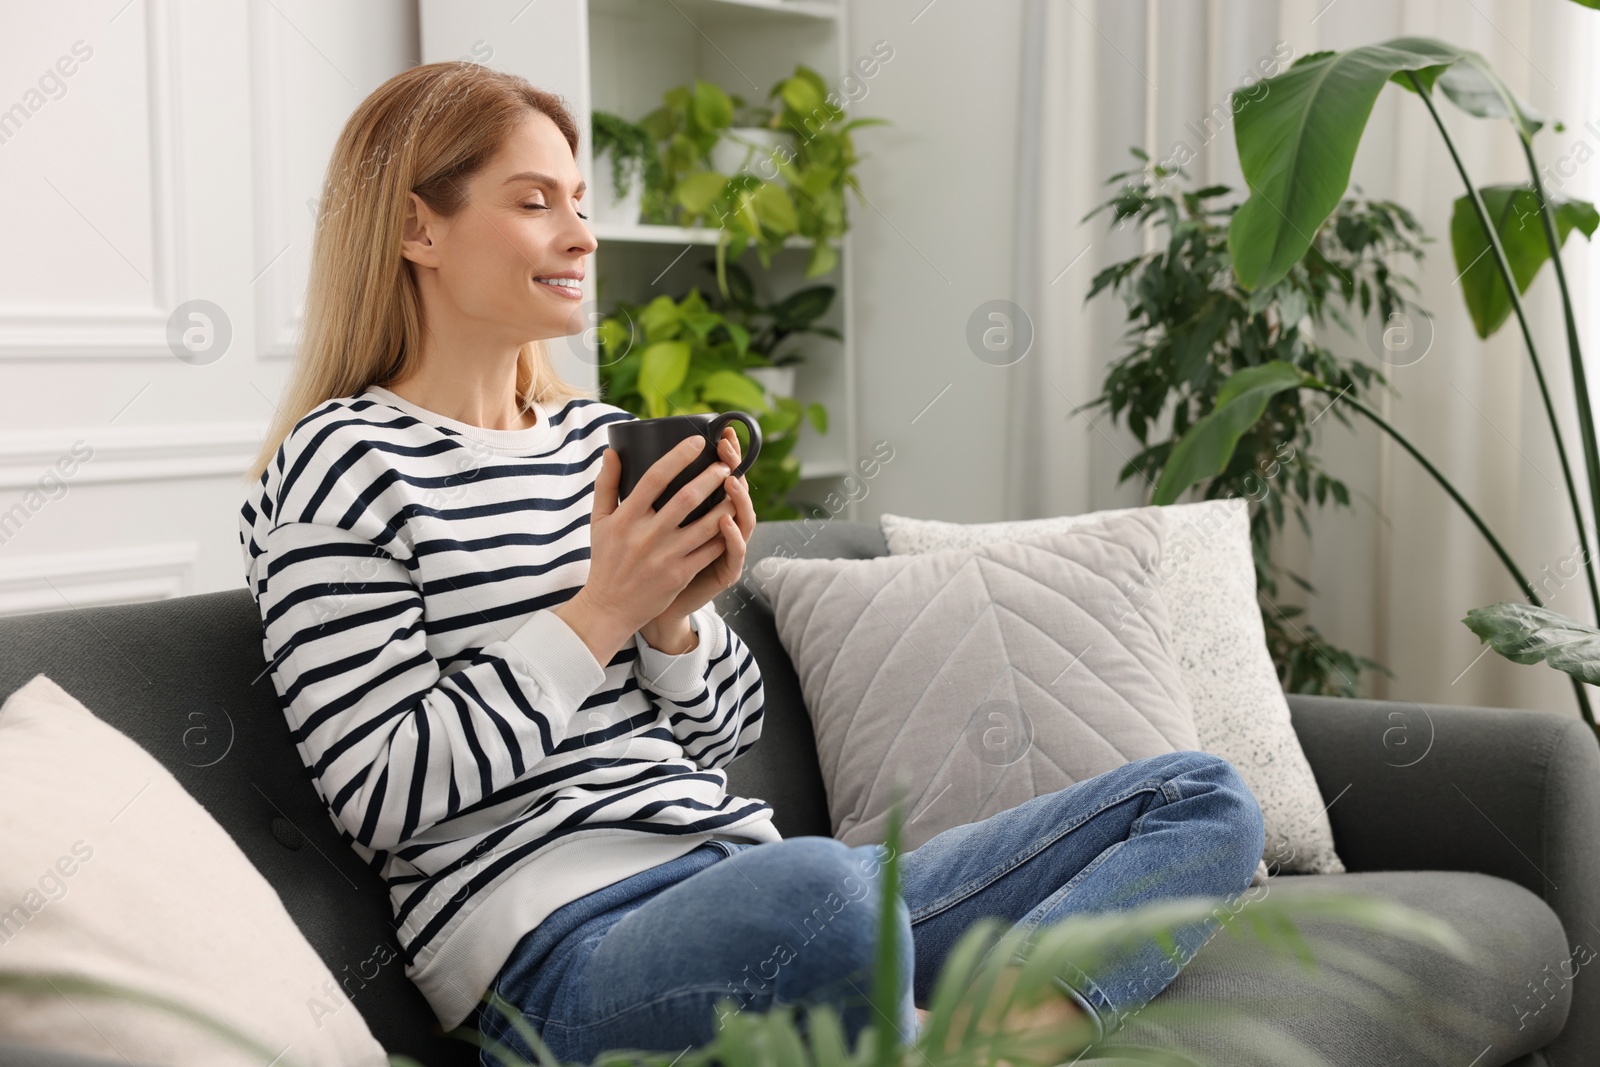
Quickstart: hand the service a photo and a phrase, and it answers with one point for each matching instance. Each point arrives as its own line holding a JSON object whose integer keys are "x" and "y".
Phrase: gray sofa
{"x": 1496, "y": 830}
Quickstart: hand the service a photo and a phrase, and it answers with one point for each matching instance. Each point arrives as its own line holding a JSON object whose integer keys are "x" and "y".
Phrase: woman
{"x": 513, "y": 692}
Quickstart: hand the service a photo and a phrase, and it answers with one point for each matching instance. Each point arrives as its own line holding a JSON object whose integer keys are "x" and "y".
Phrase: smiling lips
{"x": 569, "y": 287}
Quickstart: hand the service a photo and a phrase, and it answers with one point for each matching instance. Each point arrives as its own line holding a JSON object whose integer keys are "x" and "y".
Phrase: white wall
{"x": 935, "y": 241}
{"x": 951, "y": 221}
{"x": 182, "y": 157}
{"x": 178, "y": 161}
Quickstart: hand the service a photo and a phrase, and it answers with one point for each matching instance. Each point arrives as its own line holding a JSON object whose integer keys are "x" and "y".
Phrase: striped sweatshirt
{"x": 466, "y": 742}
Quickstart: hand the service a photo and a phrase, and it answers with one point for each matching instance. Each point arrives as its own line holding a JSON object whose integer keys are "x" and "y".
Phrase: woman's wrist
{"x": 598, "y": 628}
{"x": 674, "y": 635}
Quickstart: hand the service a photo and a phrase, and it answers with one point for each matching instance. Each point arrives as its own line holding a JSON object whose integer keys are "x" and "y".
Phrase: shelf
{"x": 811, "y": 9}
{"x": 642, "y": 234}
{"x": 731, "y": 11}
{"x": 836, "y": 468}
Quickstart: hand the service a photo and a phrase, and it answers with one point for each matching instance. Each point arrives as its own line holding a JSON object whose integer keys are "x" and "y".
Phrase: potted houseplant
{"x": 823, "y": 163}
{"x": 770, "y": 325}
{"x": 1191, "y": 325}
{"x": 686, "y": 127}
{"x": 785, "y": 174}
{"x": 627, "y": 153}
{"x": 751, "y": 149}
{"x": 1297, "y": 146}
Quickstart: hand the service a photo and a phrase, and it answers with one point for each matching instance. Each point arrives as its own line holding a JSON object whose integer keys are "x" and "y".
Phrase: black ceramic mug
{"x": 638, "y": 443}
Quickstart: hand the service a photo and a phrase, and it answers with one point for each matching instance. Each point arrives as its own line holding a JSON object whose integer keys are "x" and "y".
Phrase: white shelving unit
{"x": 621, "y": 56}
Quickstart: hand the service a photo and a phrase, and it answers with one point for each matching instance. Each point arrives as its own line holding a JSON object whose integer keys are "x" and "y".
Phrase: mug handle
{"x": 714, "y": 434}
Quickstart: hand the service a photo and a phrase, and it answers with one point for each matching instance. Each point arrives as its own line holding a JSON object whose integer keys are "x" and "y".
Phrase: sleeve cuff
{"x": 555, "y": 657}
{"x": 677, "y": 677}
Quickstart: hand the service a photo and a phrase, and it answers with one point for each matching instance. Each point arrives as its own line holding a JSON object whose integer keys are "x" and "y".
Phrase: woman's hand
{"x": 733, "y": 533}
{"x": 641, "y": 561}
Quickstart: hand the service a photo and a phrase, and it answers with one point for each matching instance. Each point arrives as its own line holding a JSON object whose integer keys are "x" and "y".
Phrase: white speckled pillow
{"x": 977, "y": 679}
{"x": 1208, "y": 580}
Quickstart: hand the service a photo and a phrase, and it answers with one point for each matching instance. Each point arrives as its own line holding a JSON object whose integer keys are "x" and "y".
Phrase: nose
{"x": 582, "y": 239}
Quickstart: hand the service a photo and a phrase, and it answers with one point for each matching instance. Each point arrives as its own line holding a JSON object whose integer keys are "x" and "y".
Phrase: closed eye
{"x": 546, "y": 207}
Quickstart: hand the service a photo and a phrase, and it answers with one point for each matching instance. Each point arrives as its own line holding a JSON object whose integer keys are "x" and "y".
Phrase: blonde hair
{"x": 427, "y": 131}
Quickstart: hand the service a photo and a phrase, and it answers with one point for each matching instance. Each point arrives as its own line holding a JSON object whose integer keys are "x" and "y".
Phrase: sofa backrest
{"x": 185, "y": 679}
{"x": 782, "y": 768}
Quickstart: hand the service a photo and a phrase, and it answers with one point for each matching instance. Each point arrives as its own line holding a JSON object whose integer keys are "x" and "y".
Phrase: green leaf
{"x": 1514, "y": 214}
{"x": 886, "y": 969}
{"x": 1523, "y": 633}
{"x": 1588, "y": 3}
{"x": 735, "y": 390}
{"x": 741, "y": 290}
{"x": 697, "y": 191}
{"x": 712, "y": 108}
{"x": 701, "y": 323}
{"x": 1475, "y": 88}
{"x": 660, "y": 319}
{"x": 804, "y": 91}
{"x": 613, "y": 334}
{"x": 1204, "y": 451}
{"x": 1297, "y": 142}
{"x": 662, "y": 368}
{"x": 799, "y": 309}
{"x": 1192, "y": 341}
{"x": 778, "y": 422}
{"x": 775, "y": 209}
{"x": 744, "y": 212}
{"x": 823, "y": 258}
{"x": 818, "y": 416}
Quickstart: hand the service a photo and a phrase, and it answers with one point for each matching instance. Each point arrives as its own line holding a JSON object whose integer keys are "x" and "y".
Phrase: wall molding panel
{"x": 95, "y": 578}
{"x": 120, "y": 454}
{"x": 277, "y": 324}
{"x": 123, "y": 332}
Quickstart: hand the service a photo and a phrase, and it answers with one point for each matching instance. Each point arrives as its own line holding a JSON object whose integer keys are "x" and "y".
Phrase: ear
{"x": 417, "y": 232}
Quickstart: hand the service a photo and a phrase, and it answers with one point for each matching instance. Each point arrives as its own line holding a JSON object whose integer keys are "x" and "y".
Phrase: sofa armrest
{"x": 1500, "y": 791}
{"x": 1434, "y": 787}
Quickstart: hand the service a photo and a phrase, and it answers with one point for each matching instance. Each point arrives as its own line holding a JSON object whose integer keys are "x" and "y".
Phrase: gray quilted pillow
{"x": 974, "y": 679}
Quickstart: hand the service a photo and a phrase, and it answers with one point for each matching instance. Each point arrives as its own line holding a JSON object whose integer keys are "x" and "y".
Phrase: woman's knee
{"x": 821, "y": 900}
{"x": 1231, "y": 802}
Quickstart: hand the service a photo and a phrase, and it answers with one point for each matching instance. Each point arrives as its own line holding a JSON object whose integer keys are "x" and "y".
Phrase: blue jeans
{"x": 643, "y": 963}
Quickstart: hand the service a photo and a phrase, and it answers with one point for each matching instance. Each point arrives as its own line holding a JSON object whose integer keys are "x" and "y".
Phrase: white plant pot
{"x": 753, "y": 148}
{"x": 777, "y": 381}
{"x": 607, "y": 208}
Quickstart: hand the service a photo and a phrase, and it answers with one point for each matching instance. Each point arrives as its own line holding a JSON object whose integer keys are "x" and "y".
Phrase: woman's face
{"x": 502, "y": 260}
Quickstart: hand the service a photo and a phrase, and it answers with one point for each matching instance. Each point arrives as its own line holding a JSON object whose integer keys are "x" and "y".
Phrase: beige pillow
{"x": 114, "y": 872}
{"x": 976, "y": 679}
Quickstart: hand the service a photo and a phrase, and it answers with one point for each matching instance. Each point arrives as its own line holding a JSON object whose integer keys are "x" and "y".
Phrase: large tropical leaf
{"x": 1514, "y": 213}
{"x": 1205, "y": 449}
{"x": 1523, "y": 633}
{"x": 1474, "y": 87}
{"x": 1297, "y": 142}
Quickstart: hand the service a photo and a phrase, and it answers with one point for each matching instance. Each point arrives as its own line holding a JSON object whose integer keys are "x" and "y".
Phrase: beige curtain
{"x": 1396, "y": 575}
